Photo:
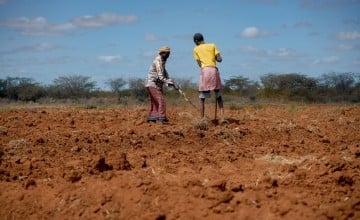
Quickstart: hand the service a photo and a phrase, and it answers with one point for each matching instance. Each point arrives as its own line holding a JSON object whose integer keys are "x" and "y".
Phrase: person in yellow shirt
{"x": 207, "y": 55}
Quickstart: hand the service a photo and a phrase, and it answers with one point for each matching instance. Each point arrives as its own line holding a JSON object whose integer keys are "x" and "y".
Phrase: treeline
{"x": 330, "y": 87}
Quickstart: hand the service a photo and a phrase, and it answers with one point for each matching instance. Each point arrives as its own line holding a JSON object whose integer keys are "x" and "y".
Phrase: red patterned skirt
{"x": 157, "y": 108}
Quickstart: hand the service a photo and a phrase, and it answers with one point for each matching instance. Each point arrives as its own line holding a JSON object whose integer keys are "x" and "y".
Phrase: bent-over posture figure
{"x": 156, "y": 78}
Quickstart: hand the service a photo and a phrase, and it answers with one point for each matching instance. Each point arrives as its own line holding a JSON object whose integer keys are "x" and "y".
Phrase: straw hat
{"x": 164, "y": 49}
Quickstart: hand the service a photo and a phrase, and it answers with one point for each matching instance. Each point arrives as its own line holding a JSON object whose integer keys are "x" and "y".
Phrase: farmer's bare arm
{"x": 218, "y": 57}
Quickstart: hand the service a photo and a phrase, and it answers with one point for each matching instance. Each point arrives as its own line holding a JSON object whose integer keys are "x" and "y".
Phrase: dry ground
{"x": 268, "y": 162}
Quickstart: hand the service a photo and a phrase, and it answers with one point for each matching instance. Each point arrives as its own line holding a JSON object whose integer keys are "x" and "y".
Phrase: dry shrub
{"x": 18, "y": 147}
{"x": 201, "y": 124}
{"x": 285, "y": 160}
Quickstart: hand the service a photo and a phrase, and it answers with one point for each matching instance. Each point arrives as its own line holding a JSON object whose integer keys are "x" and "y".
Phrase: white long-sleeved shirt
{"x": 157, "y": 74}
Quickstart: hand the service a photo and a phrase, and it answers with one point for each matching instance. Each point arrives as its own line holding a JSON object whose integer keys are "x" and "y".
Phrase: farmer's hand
{"x": 172, "y": 84}
{"x": 169, "y": 82}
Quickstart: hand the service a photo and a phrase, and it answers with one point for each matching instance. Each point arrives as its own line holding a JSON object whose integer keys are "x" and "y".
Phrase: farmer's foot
{"x": 204, "y": 120}
{"x": 223, "y": 121}
{"x": 163, "y": 121}
{"x": 151, "y": 119}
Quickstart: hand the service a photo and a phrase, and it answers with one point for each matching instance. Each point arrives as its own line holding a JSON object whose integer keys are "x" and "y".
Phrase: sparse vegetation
{"x": 237, "y": 106}
{"x": 237, "y": 91}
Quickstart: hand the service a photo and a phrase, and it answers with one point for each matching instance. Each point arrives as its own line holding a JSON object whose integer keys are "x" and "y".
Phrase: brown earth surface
{"x": 267, "y": 162}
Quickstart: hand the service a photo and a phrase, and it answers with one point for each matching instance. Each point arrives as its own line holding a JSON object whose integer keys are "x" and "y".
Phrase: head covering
{"x": 164, "y": 49}
{"x": 198, "y": 37}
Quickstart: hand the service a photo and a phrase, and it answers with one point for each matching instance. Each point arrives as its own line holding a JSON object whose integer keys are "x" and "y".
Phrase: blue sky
{"x": 108, "y": 39}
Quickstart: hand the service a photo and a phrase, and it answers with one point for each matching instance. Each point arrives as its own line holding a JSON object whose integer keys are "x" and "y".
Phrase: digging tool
{"x": 185, "y": 97}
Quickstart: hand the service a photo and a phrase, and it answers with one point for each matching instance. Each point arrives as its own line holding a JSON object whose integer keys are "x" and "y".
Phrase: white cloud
{"x": 104, "y": 19}
{"x": 254, "y": 32}
{"x": 354, "y": 35}
{"x": 153, "y": 37}
{"x": 250, "y": 32}
{"x": 282, "y": 53}
{"x": 44, "y": 47}
{"x": 39, "y": 26}
{"x": 327, "y": 60}
{"x": 253, "y": 50}
{"x": 302, "y": 24}
{"x": 33, "y": 48}
{"x": 110, "y": 59}
{"x": 343, "y": 47}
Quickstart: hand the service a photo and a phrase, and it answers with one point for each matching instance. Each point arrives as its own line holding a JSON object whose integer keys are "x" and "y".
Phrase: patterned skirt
{"x": 157, "y": 105}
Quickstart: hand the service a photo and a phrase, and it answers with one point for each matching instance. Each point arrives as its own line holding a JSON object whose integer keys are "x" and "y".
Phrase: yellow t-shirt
{"x": 205, "y": 53}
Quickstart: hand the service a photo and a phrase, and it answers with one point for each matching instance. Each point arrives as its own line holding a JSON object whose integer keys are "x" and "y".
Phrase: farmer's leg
{"x": 203, "y": 95}
{"x": 202, "y": 107}
{"x": 162, "y": 108}
{"x": 153, "y": 108}
{"x": 219, "y": 102}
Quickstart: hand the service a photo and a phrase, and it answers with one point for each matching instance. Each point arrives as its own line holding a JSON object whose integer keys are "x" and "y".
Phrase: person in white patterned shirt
{"x": 156, "y": 78}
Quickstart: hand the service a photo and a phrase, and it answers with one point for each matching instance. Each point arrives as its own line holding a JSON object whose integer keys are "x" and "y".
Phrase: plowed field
{"x": 267, "y": 162}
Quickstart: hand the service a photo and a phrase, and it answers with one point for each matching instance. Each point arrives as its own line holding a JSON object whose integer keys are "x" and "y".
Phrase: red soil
{"x": 268, "y": 162}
